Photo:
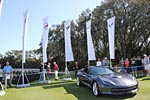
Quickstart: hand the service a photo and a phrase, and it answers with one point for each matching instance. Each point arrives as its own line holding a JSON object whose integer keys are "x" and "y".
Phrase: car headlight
{"x": 106, "y": 82}
{"x": 134, "y": 79}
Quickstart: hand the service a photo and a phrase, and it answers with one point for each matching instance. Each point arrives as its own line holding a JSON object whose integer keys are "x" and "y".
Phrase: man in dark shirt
{"x": 41, "y": 67}
{"x": 140, "y": 68}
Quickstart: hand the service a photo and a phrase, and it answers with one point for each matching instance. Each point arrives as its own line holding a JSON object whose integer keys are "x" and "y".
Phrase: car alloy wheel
{"x": 95, "y": 89}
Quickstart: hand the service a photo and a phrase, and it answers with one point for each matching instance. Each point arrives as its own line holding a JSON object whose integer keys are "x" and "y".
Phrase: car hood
{"x": 118, "y": 79}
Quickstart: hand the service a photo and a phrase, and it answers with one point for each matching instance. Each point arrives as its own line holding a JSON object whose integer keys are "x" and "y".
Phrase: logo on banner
{"x": 110, "y": 25}
{"x": 46, "y": 26}
{"x": 88, "y": 27}
{"x": 25, "y": 20}
{"x": 67, "y": 27}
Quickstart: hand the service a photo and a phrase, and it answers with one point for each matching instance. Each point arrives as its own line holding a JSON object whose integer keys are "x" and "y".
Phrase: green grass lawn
{"x": 62, "y": 90}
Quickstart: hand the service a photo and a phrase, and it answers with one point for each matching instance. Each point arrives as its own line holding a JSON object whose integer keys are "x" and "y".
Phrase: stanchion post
{"x": 5, "y": 82}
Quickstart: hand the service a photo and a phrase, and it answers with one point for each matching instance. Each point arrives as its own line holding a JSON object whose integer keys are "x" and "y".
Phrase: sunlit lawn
{"x": 62, "y": 90}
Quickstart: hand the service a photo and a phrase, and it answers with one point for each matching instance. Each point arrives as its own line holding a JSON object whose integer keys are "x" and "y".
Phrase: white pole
{"x": 22, "y": 73}
{"x": 110, "y": 63}
{"x": 5, "y": 82}
{"x": 66, "y": 69}
{"x": 88, "y": 63}
{"x": 43, "y": 72}
{"x": 66, "y": 65}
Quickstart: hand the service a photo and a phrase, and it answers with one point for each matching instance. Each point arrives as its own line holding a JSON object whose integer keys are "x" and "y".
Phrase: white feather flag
{"x": 1, "y": 5}
{"x": 111, "y": 31}
{"x": 45, "y": 38}
{"x": 25, "y": 26}
{"x": 91, "y": 52}
{"x": 68, "y": 47}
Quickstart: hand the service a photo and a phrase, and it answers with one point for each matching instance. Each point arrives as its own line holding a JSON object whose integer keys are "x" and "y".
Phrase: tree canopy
{"x": 132, "y": 33}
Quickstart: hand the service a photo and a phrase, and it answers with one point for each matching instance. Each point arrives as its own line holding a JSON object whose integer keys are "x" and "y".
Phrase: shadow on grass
{"x": 143, "y": 78}
{"x": 83, "y": 93}
{"x": 146, "y": 78}
{"x": 57, "y": 84}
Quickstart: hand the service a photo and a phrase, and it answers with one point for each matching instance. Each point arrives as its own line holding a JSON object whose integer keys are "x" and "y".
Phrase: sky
{"x": 11, "y": 21}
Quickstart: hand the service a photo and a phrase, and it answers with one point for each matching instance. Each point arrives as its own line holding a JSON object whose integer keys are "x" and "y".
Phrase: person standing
{"x": 146, "y": 64}
{"x": 133, "y": 68}
{"x": 56, "y": 68}
{"x": 98, "y": 63}
{"x": 1, "y": 76}
{"x": 140, "y": 68}
{"x": 1, "y": 79}
{"x": 1, "y": 73}
{"x": 76, "y": 67}
{"x": 8, "y": 71}
{"x": 41, "y": 67}
{"x": 122, "y": 63}
{"x": 105, "y": 62}
{"x": 48, "y": 72}
{"x": 127, "y": 64}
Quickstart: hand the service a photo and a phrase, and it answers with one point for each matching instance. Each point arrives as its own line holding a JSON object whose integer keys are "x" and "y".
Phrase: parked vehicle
{"x": 103, "y": 80}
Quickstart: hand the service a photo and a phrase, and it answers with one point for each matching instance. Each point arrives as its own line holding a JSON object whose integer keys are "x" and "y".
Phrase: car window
{"x": 100, "y": 70}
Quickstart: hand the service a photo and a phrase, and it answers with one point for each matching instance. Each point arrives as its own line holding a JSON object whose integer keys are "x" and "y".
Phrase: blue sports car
{"x": 103, "y": 80}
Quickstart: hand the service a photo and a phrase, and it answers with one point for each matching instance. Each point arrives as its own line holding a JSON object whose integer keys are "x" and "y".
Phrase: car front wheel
{"x": 95, "y": 89}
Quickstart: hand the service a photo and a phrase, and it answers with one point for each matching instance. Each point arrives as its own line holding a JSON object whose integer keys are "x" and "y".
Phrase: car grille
{"x": 126, "y": 89}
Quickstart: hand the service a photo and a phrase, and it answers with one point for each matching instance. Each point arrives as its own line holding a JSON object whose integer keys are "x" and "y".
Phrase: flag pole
{"x": 22, "y": 73}
{"x": 66, "y": 75}
{"x": 68, "y": 49}
{"x": 88, "y": 63}
{"x": 1, "y": 5}
{"x": 110, "y": 63}
{"x": 111, "y": 36}
{"x": 43, "y": 72}
{"x": 90, "y": 46}
{"x": 66, "y": 68}
{"x": 44, "y": 47}
{"x": 25, "y": 23}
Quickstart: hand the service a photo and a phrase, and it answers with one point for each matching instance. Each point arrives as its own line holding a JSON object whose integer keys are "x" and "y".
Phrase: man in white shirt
{"x": 146, "y": 64}
{"x": 98, "y": 63}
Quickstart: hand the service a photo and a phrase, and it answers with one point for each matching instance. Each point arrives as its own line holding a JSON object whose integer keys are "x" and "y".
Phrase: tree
{"x": 132, "y": 22}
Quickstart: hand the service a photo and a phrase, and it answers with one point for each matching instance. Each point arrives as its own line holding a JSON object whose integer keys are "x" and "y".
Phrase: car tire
{"x": 78, "y": 81}
{"x": 95, "y": 89}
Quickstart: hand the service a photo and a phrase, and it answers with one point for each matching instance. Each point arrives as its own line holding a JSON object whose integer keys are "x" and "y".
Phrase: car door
{"x": 86, "y": 78}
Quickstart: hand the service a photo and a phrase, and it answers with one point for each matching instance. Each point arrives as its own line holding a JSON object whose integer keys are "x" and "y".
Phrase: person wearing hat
{"x": 146, "y": 64}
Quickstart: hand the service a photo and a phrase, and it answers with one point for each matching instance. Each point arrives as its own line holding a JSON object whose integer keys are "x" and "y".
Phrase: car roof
{"x": 91, "y": 66}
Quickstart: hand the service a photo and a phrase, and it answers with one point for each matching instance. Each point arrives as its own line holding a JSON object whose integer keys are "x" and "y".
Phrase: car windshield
{"x": 100, "y": 70}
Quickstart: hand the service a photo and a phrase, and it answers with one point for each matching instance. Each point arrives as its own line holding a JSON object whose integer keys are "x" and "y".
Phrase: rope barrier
{"x": 132, "y": 69}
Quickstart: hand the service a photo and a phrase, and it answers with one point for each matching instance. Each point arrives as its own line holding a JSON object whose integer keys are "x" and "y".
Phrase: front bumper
{"x": 119, "y": 91}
